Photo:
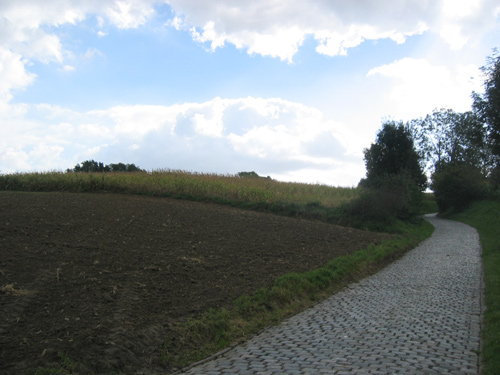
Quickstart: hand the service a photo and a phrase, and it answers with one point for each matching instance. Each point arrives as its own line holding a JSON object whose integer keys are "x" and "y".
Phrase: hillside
{"x": 102, "y": 277}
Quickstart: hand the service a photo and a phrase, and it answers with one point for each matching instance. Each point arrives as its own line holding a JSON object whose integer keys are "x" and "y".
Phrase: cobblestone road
{"x": 420, "y": 315}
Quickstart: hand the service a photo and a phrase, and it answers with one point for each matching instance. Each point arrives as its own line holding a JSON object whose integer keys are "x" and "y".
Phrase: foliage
{"x": 394, "y": 180}
{"x": 251, "y": 175}
{"x": 94, "y": 166}
{"x": 448, "y": 137}
{"x": 463, "y": 149}
{"x": 429, "y": 205}
{"x": 484, "y": 217}
{"x": 386, "y": 199}
{"x": 487, "y": 105}
{"x": 120, "y": 167}
{"x": 206, "y": 334}
{"x": 90, "y": 166}
{"x": 393, "y": 154}
{"x": 457, "y": 185}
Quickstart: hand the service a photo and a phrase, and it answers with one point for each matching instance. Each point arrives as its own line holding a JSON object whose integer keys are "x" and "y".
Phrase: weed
{"x": 10, "y": 290}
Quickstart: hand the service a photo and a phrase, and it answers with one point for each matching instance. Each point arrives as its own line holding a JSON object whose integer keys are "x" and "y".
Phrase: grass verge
{"x": 202, "y": 336}
{"x": 485, "y": 217}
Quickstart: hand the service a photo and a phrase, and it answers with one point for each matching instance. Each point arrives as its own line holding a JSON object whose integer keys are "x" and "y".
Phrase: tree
{"x": 393, "y": 154}
{"x": 94, "y": 166}
{"x": 91, "y": 166}
{"x": 394, "y": 176}
{"x": 120, "y": 167}
{"x": 448, "y": 137}
{"x": 487, "y": 105}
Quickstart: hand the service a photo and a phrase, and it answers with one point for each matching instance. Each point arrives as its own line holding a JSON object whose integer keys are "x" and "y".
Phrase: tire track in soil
{"x": 129, "y": 341}
{"x": 14, "y": 313}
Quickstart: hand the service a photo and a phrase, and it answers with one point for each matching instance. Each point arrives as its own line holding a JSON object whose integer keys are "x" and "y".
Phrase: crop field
{"x": 175, "y": 183}
{"x": 96, "y": 282}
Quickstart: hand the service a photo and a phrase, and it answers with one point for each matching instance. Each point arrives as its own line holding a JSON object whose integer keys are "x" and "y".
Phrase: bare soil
{"x": 100, "y": 277}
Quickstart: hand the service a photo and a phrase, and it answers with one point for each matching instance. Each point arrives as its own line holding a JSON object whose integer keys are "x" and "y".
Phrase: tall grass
{"x": 175, "y": 183}
{"x": 485, "y": 217}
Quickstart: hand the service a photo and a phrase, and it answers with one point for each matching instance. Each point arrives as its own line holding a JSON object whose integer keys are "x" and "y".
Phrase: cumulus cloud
{"x": 269, "y": 135}
{"x": 128, "y": 14}
{"x": 13, "y": 74}
{"x": 462, "y": 22}
{"x": 24, "y": 36}
{"x": 421, "y": 87}
{"x": 195, "y": 136}
{"x": 278, "y": 27}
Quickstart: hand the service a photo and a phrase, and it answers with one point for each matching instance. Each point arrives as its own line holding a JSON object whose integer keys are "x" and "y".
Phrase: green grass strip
{"x": 485, "y": 217}
{"x": 204, "y": 335}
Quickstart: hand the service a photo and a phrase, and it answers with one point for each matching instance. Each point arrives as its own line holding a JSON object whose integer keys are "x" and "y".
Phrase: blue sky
{"x": 287, "y": 89}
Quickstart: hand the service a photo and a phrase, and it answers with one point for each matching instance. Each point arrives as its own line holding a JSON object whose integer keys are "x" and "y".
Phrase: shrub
{"x": 386, "y": 198}
{"x": 456, "y": 186}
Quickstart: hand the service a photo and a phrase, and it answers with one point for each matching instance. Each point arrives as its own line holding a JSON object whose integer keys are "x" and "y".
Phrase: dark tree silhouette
{"x": 393, "y": 154}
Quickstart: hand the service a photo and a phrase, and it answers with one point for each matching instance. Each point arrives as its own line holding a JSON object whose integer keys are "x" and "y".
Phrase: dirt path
{"x": 100, "y": 277}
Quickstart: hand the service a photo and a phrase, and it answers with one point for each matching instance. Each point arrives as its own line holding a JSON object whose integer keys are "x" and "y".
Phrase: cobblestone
{"x": 420, "y": 315}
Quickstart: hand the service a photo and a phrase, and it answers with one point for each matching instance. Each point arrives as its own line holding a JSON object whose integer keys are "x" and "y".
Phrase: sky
{"x": 290, "y": 89}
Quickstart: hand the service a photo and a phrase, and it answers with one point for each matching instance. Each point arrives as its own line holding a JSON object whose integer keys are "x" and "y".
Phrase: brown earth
{"x": 100, "y": 277}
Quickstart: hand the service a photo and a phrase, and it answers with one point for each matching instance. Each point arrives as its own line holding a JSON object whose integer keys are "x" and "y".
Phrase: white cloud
{"x": 13, "y": 74}
{"x": 421, "y": 87}
{"x": 271, "y": 136}
{"x": 278, "y": 27}
{"x": 463, "y": 21}
{"x": 23, "y": 35}
{"x": 68, "y": 68}
{"x": 126, "y": 14}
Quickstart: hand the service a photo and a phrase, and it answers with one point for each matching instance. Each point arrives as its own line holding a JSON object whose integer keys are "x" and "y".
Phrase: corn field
{"x": 177, "y": 183}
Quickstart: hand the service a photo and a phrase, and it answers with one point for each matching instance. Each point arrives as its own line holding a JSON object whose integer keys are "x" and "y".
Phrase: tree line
{"x": 94, "y": 166}
{"x": 459, "y": 151}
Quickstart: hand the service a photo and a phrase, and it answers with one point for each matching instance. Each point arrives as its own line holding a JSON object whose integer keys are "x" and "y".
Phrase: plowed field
{"x": 100, "y": 277}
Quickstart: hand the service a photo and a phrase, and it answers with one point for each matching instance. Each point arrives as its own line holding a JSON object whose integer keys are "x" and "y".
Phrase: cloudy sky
{"x": 290, "y": 89}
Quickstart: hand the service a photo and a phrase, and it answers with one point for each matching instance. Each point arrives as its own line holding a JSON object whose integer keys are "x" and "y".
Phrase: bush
{"x": 385, "y": 199}
{"x": 456, "y": 186}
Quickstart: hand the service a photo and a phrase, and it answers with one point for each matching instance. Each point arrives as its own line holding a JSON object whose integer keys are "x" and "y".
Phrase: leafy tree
{"x": 91, "y": 166}
{"x": 133, "y": 168}
{"x": 449, "y": 137}
{"x": 251, "y": 175}
{"x": 487, "y": 105}
{"x": 248, "y": 174}
{"x": 394, "y": 176}
{"x": 393, "y": 154}
{"x": 120, "y": 167}
{"x": 94, "y": 166}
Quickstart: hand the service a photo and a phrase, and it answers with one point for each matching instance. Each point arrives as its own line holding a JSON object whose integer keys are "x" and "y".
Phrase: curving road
{"x": 420, "y": 315}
